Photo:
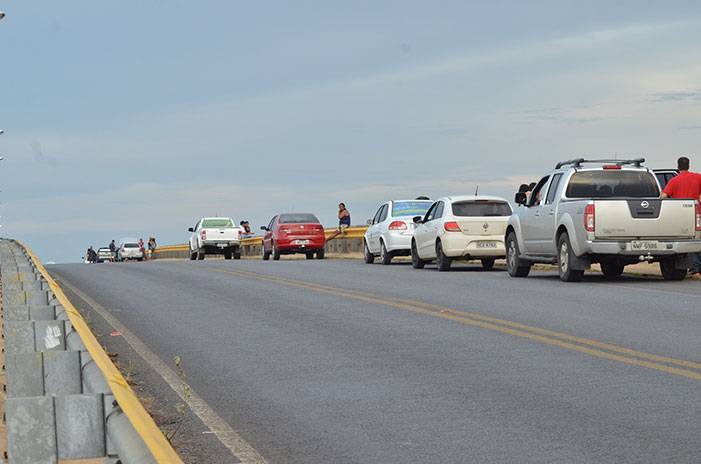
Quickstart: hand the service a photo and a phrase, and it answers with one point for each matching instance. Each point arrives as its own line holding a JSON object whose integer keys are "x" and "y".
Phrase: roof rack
{"x": 577, "y": 162}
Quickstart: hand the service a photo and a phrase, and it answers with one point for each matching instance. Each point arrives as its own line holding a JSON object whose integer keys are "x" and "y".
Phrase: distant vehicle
{"x": 469, "y": 227}
{"x": 104, "y": 254}
{"x": 215, "y": 236}
{"x": 665, "y": 175}
{"x": 390, "y": 231}
{"x": 608, "y": 213}
{"x": 129, "y": 248}
{"x": 290, "y": 233}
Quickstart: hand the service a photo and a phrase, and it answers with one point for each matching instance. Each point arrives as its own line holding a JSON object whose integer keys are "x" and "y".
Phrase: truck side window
{"x": 553, "y": 188}
{"x": 536, "y": 195}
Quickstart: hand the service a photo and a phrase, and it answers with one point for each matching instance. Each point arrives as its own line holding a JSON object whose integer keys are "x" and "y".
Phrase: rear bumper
{"x": 295, "y": 244}
{"x": 473, "y": 246}
{"x": 396, "y": 241}
{"x": 622, "y": 247}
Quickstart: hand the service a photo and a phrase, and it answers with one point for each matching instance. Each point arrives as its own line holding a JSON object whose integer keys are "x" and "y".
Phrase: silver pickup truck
{"x": 601, "y": 211}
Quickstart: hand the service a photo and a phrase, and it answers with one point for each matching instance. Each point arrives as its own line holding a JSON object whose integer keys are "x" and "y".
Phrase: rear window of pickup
{"x": 612, "y": 183}
{"x": 217, "y": 223}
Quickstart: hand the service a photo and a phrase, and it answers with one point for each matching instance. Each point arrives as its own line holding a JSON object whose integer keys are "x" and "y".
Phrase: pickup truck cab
{"x": 601, "y": 211}
{"x": 215, "y": 236}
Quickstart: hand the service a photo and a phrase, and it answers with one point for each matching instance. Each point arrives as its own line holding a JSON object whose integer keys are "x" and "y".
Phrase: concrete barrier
{"x": 64, "y": 395}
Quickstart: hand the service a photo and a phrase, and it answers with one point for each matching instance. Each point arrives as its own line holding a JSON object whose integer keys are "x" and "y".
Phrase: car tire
{"x": 612, "y": 269}
{"x": 443, "y": 262}
{"x": 385, "y": 256}
{"x": 488, "y": 264}
{"x": 416, "y": 261}
{"x": 565, "y": 258}
{"x": 200, "y": 254}
{"x": 276, "y": 253}
{"x": 227, "y": 254}
{"x": 669, "y": 270}
{"x": 369, "y": 257}
{"x": 266, "y": 254}
{"x": 310, "y": 254}
{"x": 237, "y": 254}
{"x": 514, "y": 266}
{"x": 193, "y": 255}
{"x": 320, "y": 254}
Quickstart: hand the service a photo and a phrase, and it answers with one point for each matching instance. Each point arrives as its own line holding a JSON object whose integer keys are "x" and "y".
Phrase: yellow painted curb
{"x": 142, "y": 421}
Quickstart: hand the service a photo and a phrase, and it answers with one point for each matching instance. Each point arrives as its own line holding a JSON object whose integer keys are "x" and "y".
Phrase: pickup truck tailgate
{"x": 220, "y": 234}
{"x": 645, "y": 218}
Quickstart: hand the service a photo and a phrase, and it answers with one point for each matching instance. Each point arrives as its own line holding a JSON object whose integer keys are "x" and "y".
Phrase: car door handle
{"x": 551, "y": 213}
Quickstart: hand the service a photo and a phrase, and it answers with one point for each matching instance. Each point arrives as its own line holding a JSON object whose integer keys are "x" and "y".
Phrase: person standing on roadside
{"x": 142, "y": 248}
{"x": 113, "y": 250}
{"x": 686, "y": 185}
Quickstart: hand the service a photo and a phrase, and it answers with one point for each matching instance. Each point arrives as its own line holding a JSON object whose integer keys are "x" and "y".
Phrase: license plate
{"x": 486, "y": 244}
{"x": 644, "y": 245}
{"x": 301, "y": 242}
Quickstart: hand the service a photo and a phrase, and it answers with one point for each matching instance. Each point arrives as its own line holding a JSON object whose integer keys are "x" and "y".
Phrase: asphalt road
{"x": 337, "y": 361}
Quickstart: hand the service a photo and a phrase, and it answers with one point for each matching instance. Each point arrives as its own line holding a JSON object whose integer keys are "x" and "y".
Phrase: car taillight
{"x": 451, "y": 226}
{"x": 203, "y": 235}
{"x": 612, "y": 166}
{"x": 698, "y": 216}
{"x": 589, "y": 218}
{"x": 397, "y": 225}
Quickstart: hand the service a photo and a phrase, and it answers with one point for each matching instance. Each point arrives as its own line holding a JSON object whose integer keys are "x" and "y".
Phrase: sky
{"x": 136, "y": 118}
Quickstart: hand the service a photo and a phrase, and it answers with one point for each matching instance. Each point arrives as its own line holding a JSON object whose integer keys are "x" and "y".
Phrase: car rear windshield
{"x": 609, "y": 183}
{"x": 221, "y": 223}
{"x": 481, "y": 208}
{"x": 298, "y": 218}
{"x": 131, "y": 245}
{"x": 410, "y": 208}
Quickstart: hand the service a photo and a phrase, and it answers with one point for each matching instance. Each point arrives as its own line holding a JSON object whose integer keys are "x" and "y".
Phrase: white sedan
{"x": 461, "y": 228}
{"x": 390, "y": 231}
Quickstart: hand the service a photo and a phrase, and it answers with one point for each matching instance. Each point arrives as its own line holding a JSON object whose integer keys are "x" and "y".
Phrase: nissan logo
{"x": 644, "y": 204}
{"x": 485, "y": 226}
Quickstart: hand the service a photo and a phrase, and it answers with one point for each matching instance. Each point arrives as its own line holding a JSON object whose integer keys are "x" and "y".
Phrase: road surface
{"x": 338, "y": 361}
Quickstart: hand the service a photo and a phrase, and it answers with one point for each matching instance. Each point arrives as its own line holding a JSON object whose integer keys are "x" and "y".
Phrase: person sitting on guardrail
{"x": 344, "y": 221}
{"x": 246, "y": 229}
{"x": 151, "y": 246}
{"x": 686, "y": 185}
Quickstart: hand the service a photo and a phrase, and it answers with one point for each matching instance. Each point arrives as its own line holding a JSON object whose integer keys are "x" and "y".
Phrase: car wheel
{"x": 276, "y": 252}
{"x": 612, "y": 269}
{"x": 266, "y": 254}
{"x": 442, "y": 261}
{"x": 227, "y": 254}
{"x": 193, "y": 255}
{"x": 200, "y": 254}
{"x": 237, "y": 254}
{"x": 385, "y": 256}
{"x": 565, "y": 257}
{"x": 310, "y": 254}
{"x": 488, "y": 264}
{"x": 416, "y": 261}
{"x": 669, "y": 270}
{"x": 369, "y": 257}
{"x": 514, "y": 266}
{"x": 320, "y": 254}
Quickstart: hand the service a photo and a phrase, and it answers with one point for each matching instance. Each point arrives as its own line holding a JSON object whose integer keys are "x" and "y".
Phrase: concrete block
{"x": 38, "y": 297}
{"x": 12, "y": 286}
{"x": 62, "y": 373}
{"x": 110, "y": 405}
{"x": 42, "y": 312}
{"x": 50, "y": 335}
{"x": 31, "y": 430}
{"x": 24, "y": 374}
{"x": 80, "y": 426}
{"x": 18, "y": 297}
{"x": 8, "y": 277}
{"x": 24, "y": 276}
{"x": 16, "y": 313}
{"x": 32, "y": 286}
{"x": 19, "y": 336}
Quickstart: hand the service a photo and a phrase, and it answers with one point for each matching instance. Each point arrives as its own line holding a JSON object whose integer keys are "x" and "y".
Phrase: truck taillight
{"x": 589, "y": 218}
{"x": 698, "y": 216}
{"x": 203, "y": 235}
{"x": 451, "y": 226}
{"x": 397, "y": 225}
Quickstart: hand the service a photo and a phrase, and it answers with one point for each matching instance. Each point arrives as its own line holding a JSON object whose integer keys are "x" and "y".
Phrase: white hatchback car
{"x": 129, "y": 248}
{"x": 390, "y": 231}
{"x": 461, "y": 228}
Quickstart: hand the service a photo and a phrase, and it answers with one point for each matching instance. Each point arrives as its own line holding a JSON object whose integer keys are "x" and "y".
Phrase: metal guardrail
{"x": 130, "y": 429}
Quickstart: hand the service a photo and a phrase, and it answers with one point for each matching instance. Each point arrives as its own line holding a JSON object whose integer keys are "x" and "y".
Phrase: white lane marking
{"x": 239, "y": 447}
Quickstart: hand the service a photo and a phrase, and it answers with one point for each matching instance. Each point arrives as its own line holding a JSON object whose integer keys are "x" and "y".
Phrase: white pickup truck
{"x": 607, "y": 212}
{"x": 215, "y": 236}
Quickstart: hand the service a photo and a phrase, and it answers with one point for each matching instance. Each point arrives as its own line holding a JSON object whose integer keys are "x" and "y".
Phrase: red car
{"x": 291, "y": 233}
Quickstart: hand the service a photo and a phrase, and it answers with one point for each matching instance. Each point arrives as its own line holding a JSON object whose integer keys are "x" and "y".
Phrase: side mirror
{"x": 418, "y": 219}
{"x": 520, "y": 198}
{"x": 263, "y": 228}
{"x": 190, "y": 229}
{"x": 369, "y": 222}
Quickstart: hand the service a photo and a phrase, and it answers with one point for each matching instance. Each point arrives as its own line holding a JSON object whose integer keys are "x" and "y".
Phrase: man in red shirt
{"x": 686, "y": 185}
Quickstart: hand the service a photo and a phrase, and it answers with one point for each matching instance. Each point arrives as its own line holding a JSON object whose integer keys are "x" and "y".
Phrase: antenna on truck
{"x": 477, "y": 190}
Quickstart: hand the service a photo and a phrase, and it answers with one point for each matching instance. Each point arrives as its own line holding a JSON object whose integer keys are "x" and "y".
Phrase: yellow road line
{"x": 549, "y": 337}
{"x": 142, "y": 421}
